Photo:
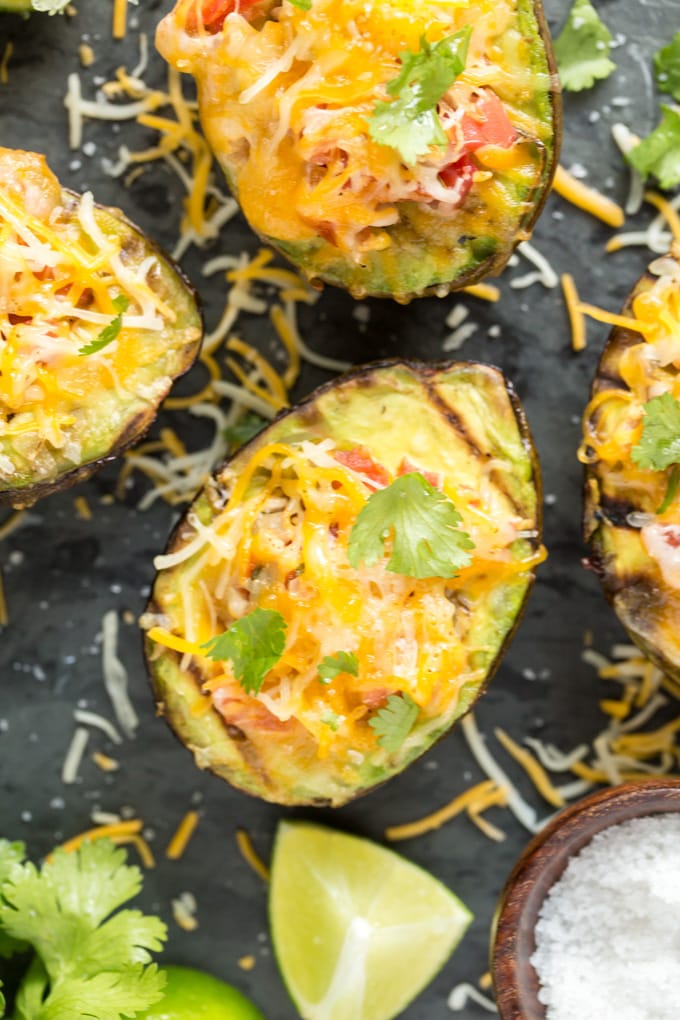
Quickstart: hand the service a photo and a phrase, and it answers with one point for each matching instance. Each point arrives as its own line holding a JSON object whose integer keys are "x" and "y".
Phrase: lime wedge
{"x": 358, "y": 930}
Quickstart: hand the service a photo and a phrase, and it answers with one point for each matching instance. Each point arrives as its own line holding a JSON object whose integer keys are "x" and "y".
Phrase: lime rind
{"x": 358, "y": 930}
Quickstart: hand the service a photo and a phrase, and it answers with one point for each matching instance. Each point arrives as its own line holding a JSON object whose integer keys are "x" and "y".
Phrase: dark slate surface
{"x": 61, "y": 573}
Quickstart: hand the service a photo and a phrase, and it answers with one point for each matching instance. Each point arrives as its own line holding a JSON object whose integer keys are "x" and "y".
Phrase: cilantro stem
{"x": 671, "y": 489}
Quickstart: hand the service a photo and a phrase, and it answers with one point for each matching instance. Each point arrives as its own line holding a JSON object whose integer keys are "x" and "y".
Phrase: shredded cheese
{"x": 588, "y": 199}
{"x": 437, "y": 818}
{"x": 74, "y": 755}
{"x": 4, "y": 615}
{"x": 4, "y": 63}
{"x": 105, "y": 762}
{"x": 184, "y": 911}
{"x": 532, "y": 767}
{"x": 82, "y": 508}
{"x": 576, "y": 318}
{"x": 111, "y": 831}
{"x": 119, "y": 26}
{"x": 116, "y": 677}
{"x": 249, "y": 854}
{"x": 180, "y": 840}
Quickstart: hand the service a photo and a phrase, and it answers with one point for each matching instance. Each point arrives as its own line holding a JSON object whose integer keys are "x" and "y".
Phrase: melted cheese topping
{"x": 61, "y": 271}
{"x": 279, "y": 541}
{"x": 286, "y": 96}
{"x": 614, "y": 417}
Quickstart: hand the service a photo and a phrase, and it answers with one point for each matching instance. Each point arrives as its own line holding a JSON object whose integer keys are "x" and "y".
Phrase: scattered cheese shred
{"x": 82, "y": 508}
{"x": 249, "y": 854}
{"x": 100, "y": 722}
{"x": 522, "y": 811}
{"x": 4, "y": 615}
{"x": 576, "y": 318}
{"x": 112, "y": 831}
{"x": 610, "y": 318}
{"x": 464, "y": 993}
{"x": 9, "y": 525}
{"x": 588, "y": 199}
{"x": 437, "y": 818}
{"x": 119, "y": 27}
{"x": 116, "y": 677}
{"x": 666, "y": 210}
{"x": 246, "y": 962}
{"x": 74, "y": 755}
{"x": 4, "y": 63}
{"x": 183, "y": 834}
{"x": 184, "y": 911}
{"x": 105, "y": 762}
{"x": 141, "y": 846}
{"x": 483, "y": 291}
{"x": 532, "y": 767}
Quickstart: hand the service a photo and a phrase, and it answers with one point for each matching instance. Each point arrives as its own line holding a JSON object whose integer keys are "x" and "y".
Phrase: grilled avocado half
{"x": 342, "y": 589}
{"x": 395, "y": 148}
{"x": 95, "y": 325}
{"x": 631, "y": 449}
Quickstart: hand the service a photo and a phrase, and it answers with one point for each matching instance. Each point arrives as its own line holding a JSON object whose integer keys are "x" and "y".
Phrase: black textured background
{"x": 62, "y": 574}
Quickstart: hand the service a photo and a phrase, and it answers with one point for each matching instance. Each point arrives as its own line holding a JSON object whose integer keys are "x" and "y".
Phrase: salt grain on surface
{"x": 608, "y": 934}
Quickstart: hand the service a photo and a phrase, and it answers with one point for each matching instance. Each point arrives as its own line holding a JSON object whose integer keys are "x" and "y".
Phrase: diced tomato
{"x": 407, "y": 468}
{"x": 359, "y": 459}
{"x": 490, "y": 124}
{"x": 212, "y": 13}
{"x": 462, "y": 170}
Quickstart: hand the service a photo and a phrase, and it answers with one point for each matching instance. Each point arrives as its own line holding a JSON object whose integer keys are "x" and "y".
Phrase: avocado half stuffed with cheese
{"x": 391, "y": 148}
{"x": 631, "y": 449}
{"x": 342, "y": 589}
{"x": 95, "y": 324}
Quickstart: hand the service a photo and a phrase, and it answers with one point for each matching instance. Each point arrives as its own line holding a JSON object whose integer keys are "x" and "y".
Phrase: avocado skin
{"x": 632, "y": 583}
{"x": 185, "y": 302}
{"x": 421, "y": 260}
{"x": 299, "y": 778}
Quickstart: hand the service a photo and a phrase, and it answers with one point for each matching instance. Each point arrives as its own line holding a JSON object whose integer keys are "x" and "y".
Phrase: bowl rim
{"x": 541, "y": 864}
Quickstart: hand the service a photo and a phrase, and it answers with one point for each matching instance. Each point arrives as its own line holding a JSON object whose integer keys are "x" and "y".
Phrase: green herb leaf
{"x": 410, "y": 123}
{"x": 332, "y": 665}
{"x": 331, "y": 719}
{"x": 304, "y": 5}
{"x": 667, "y": 68}
{"x": 247, "y": 426}
{"x": 110, "y": 332}
{"x": 90, "y": 964}
{"x": 394, "y": 722}
{"x": 582, "y": 48}
{"x": 659, "y": 445}
{"x": 423, "y": 524}
{"x": 253, "y": 645}
{"x": 659, "y": 153}
{"x": 11, "y": 860}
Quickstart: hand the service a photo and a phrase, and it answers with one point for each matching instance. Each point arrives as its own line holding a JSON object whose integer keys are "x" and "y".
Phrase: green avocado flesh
{"x": 622, "y": 499}
{"x": 271, "y": 530}
{"x": 66, "y": 409}
{"x": 394, "y": 227}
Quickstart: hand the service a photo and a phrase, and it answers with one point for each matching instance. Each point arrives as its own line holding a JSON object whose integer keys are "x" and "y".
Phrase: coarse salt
{"x": 608, "y": 934}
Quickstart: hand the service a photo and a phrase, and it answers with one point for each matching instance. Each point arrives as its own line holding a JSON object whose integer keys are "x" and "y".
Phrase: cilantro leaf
{"x": 109, "y": 333}
{"x": 11, "y": 858}
{"x": 304, "y": 5}
{"x": 410, "y": 123}
{"x": 331, "y": 719}
{"x": 342, "y": 662}
{"x": 659, "y": 152}
{"x": 247, "y": 426}
{"x": 582, "y": 48}
{"x": 253, "y": 645}
{"x": 667, "y": 68}
{"x": 394, "y": 722}
{"x": 88, "y": 963}
{"x": 659, "y": 445}
{"x": 423, "y": 523}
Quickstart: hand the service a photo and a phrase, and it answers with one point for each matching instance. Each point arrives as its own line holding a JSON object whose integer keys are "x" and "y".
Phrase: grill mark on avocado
{"x": 614, "y": 512}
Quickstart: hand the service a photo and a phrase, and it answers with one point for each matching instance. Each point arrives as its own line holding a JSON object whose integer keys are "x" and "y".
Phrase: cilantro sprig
{"x": 423, "y": 525}
{"x": 667, "y": 68}
{"x": 658, "y": 155}
{"x": 253, "y": 645}
{"x": 332, "y": 665}
{"x": 659, "y": 446}
{"x": 110, "y": 332}
{"x": 393, "y": 723}
{"x": 91, "y": 958}
{"x": 582, "y": 48}
{"x": 410, "y": 123}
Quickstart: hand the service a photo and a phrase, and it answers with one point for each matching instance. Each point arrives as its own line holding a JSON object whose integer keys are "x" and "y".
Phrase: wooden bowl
{"x": 542, "y": 863}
